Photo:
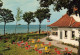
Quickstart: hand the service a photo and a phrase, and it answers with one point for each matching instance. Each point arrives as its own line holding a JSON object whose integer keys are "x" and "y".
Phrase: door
{"x": 60, "y": 34}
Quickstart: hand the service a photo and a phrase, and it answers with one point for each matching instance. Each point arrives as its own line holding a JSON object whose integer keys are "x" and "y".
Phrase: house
{"x": 66, "y": 29}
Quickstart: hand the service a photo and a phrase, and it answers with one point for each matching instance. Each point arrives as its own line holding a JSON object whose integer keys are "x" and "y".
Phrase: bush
{"x": 25, "y": 38}
{"x": 4, "y": 41}
{"x": 36, "y": 36}
{"x": 70, "y": 45}
{"x": 49, "y": 39}
{"x": 11, "y": 41}
{"x": 2, "y": 46}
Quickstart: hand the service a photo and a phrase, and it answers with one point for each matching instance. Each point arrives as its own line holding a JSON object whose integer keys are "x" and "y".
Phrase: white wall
{"x": 77, "y": 18}
{"x": 69, "y": 35}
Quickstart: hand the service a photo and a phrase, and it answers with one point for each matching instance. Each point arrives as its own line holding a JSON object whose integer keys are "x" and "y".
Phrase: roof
{"x": 65, "y": 21}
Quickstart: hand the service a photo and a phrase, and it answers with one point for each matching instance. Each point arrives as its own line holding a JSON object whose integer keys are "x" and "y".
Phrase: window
{"x": 54, "y": 33}
{"x": 65, "y": 33}
{"x": 73, "y": 34}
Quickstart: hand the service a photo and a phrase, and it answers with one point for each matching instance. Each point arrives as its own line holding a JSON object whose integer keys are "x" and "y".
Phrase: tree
{"x": 72, "y": 6}
{"x": 6, "y": 16}
{"x": 60, "y": 4}
{"x": 41, "y": 14}
{"x": 1, "y": 3}
{"x": 28, "y": 17}
{"x": 18, "y": 17}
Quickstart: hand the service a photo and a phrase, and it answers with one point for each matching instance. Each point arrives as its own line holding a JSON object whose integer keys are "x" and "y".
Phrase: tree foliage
{"x": 1, "y": 3}
{"x": 19, "y": 14}
{"x": 59, "y": 4}
{"x": 28, "y": 17}
{"x": 6, "y": 16}
{"x": 41, "y": 14}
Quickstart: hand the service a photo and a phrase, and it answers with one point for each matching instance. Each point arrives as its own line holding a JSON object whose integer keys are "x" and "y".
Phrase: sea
{"x": 9, "y": 29}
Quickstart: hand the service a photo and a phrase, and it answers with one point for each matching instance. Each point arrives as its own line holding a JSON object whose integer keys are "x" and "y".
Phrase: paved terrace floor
{"x": 55, "y": 43}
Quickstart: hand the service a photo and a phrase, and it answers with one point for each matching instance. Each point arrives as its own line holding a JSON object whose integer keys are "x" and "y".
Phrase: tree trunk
{"x": 15, "y": 28}
{"x": 4, "y": 28}
{"x": 28, "y": 28}
{"x": 79, "y": 47}
{"x": 39, "y": 28}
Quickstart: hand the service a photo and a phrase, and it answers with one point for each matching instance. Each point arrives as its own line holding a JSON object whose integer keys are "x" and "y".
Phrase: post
{"x": 47, "y": 30}
{"x": 79, "y": 44}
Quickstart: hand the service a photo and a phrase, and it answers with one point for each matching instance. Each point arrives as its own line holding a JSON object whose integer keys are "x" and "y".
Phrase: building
{"x": 66, "y": 29}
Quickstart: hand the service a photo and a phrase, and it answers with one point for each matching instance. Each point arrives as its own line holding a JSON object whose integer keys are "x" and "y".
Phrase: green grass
{"x": 16, "y": 50}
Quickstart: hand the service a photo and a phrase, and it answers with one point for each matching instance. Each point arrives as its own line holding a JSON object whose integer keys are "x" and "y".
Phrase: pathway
{"x": 55, "y": 43}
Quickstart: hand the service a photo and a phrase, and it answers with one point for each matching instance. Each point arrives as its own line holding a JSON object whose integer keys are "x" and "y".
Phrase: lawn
{"x": 7, "y": 48}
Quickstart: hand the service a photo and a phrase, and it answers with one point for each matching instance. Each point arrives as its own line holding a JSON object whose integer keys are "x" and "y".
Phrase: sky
{"x": 30, "y": 5}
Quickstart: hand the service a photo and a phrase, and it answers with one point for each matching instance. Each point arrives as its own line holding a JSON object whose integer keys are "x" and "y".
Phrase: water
{"x": 21, "y": 28}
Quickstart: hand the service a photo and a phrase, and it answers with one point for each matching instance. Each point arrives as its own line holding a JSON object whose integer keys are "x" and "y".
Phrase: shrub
{"x": 25, "y": 38}
{"x": 2, "y": 46}
{"x": 70, "y": 45}
{"x": 49, "y": 39}
{"x": 36, "y": 36}
{"x": 4, "y": 41}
